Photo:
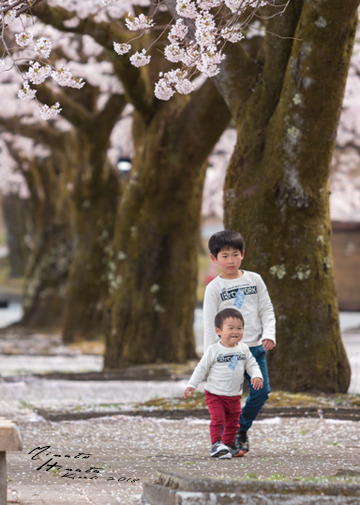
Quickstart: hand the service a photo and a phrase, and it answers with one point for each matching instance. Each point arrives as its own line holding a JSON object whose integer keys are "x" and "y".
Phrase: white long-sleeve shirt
{"x": 248, "y": 294}
{"x": 225, "y": 368}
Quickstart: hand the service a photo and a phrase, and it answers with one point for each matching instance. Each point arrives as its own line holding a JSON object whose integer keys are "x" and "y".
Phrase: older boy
{"x": 224, "y": 364}
{"x": 246, "y": 291}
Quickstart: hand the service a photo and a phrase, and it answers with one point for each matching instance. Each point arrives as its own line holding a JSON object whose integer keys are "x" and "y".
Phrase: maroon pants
{"x": 224, "y": 412}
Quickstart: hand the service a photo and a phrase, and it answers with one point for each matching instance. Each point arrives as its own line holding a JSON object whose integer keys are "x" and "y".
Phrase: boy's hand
{"x": 188, "y": 392}
{"x": 268, "y": 344}
{"x": 257, "y": 383}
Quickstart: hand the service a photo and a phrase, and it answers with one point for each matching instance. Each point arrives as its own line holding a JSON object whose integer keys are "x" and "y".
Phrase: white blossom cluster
{"x": 134, "y": 23}
{"x": 38, "y": 71}
{"x": 199, "y": 50}
{"x": 164, "y": 88}
{"x": 47, "y": 112}
{"x": 139, "y": 59}
{"x": 64, "y": 77}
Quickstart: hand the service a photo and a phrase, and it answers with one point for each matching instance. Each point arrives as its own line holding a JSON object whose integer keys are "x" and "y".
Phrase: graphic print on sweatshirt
{"x": 227, "y": 358}
{"x": 238, "y": 294}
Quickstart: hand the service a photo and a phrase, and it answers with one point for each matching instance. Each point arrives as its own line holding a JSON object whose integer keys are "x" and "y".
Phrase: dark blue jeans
{"x": 256, "y": 398}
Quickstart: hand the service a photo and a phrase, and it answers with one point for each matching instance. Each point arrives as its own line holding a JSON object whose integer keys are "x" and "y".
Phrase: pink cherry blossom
{"x": 47, "y": 112}
{"x": 139, "y": 59}
{"x": 121, "y": 48}
{"x": 23, "y": 39}
{"x": 26, "y": 93}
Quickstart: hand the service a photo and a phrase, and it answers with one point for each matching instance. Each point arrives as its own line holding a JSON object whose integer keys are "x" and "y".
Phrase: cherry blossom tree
{"x": 49, "y": 237}
{"x": 75, "y": 175}
{"x": 276, "y": 190}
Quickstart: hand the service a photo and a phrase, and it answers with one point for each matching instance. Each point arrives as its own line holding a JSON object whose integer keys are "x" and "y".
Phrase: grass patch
{"x": 276, "y": 399}
{"x": 26, "y": 405}
{"x": 284, "y": 399}
{"x": 320, "y": 479}
{"x": 276, "y": 477}
{"x": 316, "y": 479}
{"x": 251, "y": 475}
{"x": 197, "y": 401}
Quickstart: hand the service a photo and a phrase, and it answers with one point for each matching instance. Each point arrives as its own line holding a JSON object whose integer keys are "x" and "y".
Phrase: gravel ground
{"x": 134, "y": 449}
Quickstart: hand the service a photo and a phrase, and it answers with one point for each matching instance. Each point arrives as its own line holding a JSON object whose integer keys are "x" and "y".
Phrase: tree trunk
{"x": 93, "y": 197}
{"x": 277, "y": 193}
{"x": 92, "y": 189}
{"x": 154, "y": 267}
{"x": 51, "y": 251}
{"x": 93, "y": 215}
{"x": 16, "y": 211}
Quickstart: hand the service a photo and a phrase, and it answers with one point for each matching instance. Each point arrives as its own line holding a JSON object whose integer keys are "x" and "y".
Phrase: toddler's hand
{"x": 188, "y": 392}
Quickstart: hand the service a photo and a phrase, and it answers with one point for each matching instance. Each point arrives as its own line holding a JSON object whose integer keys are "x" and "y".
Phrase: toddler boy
{"x": 224, "y": 364}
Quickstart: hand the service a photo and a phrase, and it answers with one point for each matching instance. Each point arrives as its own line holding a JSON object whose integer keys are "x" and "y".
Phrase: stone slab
{"x": 172, "y": 489}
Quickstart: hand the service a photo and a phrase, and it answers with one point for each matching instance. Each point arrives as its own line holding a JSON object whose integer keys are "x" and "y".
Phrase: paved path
{"x": 105, "y": 461}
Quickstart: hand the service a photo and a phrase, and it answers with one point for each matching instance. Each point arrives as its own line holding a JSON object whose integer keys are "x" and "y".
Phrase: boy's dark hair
{"x": 225, "y": 239}
{"x": 224, "y": 314}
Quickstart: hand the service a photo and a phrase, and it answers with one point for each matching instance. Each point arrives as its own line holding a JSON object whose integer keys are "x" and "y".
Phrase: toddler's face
{"x": 231, "y": 332}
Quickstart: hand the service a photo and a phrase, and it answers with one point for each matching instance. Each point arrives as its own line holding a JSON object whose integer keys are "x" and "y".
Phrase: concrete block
{"x": 171, "y": 489}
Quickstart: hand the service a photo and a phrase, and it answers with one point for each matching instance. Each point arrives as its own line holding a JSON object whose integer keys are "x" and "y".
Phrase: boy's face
{"x": 231, "y": 332}
{"x": 229, "y": 261}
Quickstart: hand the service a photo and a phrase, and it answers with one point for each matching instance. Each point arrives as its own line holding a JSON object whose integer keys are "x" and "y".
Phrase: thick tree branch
{"x": 237, "y": 77}
{"x": 109, "y": 116}
{"x": 205, "y": 107}
{"x": 46, "y": 135}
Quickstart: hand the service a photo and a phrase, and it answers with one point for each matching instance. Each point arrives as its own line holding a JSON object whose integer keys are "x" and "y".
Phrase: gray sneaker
{"x": 226, "y": 455}
{"x": 220, "y": 450}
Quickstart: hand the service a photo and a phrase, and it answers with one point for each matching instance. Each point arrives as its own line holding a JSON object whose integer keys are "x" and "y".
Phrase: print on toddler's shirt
{"x": 233, "y": 363}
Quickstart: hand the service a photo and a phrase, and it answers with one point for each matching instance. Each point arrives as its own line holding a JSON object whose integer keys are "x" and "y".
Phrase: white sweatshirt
{"x": 248, "y": 294}
{"x": 225, "y": 368}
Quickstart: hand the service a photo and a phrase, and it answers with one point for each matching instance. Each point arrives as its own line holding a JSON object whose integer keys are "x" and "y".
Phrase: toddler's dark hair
{"x": 224, "y": 314}
{"x": 225, "y": 239}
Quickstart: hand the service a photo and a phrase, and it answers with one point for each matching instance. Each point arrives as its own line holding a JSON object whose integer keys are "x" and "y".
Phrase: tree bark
{"x": 93, "y": 213}
{"x": 50, "y": 253}
{"x": 16, "y": 211}
{"x": 277, "y": 194}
